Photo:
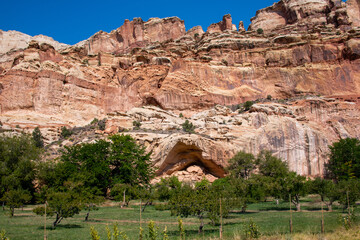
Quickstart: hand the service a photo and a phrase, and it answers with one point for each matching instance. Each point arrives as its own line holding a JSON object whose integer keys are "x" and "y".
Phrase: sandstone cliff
{"x": 307, "y": 48}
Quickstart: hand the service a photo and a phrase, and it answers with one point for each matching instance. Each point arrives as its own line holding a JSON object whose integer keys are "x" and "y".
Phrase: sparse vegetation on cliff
{"x": 188, "y": 127}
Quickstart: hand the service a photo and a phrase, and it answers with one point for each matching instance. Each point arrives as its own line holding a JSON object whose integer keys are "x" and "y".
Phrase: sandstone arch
{"x": 182, "y": 155}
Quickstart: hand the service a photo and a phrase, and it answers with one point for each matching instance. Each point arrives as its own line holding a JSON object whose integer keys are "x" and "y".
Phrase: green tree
{"x": 294, "y": 186}
{"x": 242, "y": 164}
{"x": 17, "y": 161}
{"x": 129, "y": 163}
{"x": 62, "y": 205}
{"x": 273, "y": 170}
{"x": 166, "y": 187}
{"x": 327, "y": 190}
{"x": 87, "y": 163}
{"x": 201, "y": 201}
{"x": 344, "y": 159}
{"x": 348, "y": 192}
{"x": 16, "y": 198}
{"x": 38, "y": 138}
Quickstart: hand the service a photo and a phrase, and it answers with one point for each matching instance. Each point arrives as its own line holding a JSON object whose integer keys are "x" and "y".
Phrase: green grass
{"x": 272, "y": 219}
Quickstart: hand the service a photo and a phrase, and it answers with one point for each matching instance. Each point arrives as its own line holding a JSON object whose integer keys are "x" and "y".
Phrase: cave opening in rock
{"x": 153, "y": 102}
{"x": 183, "y": 156}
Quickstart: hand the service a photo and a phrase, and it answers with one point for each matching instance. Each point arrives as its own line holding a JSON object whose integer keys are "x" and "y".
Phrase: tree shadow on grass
{"x": 193, "y": 233}
{"x": 62, "y": 226}
{"x": 276, "y": 208}
{"x": 240, "y": 213}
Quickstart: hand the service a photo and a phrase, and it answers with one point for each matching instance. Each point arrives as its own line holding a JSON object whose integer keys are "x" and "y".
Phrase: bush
{"x": 38, "y": 138}
{"x": 102, "y": 124}
{"x": 260, "y": 31}
{"x": 136, "y": 125}
{"x": 251, "y": 230}
{"x": 94, "y": 121}
{"x": 65, "y": 132}
{"x": 162, "y": 207}
{"x": 269, "y": 97}
{"x": 188, "y": 127}
{"x": 181, "y": 115}
{"x": 247, "y": 105}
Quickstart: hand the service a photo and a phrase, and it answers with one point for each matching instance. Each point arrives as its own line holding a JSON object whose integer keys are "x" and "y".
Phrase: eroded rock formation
{"x": 307, "y": 47}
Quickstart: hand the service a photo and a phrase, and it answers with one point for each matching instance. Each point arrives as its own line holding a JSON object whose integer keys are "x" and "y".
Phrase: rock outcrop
{"x": 225, "y": 24}
{"x": 134, "y": 34}
{"x": 307, "y": 48}
{"x": 307, "y": 15}
{"x": 14, "y": 40}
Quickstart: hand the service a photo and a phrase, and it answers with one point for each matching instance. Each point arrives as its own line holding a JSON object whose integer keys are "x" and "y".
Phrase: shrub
{"x": 247, "y": 105}
{"x": 102, "y": 124}
{"x": 3, "y": 235}
{"x": 94, "y": 121}
{"x": 94, "y": 234}
{"x": 181, "y": 115}
{"x": 251, "y": 230}
{"x": 38, "y": 138}
{"x": 188, "y": 127}
{"x": 260, "y": 31}
{"x": 136, "y": 125}
{"x": 269, "y": 97}
{"x": 65, "y": 132}
{"x": 162, "y": 207}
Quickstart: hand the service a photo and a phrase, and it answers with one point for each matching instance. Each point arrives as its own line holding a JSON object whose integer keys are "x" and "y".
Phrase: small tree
{"x": 344, "y": 160}
{"x": 260, "y": 31}
{"x": 18, "y": 155}
{"x": 201, "y": 202}
{"x": 62, "y": 205}
{"x": 188, "y": 127}
{"x": 15, "y": 199}
{"x": 294, "y": 186}
{"x": 327, "y": 190}
{"x": 247, "y": 105}
{"x": 129, "y": 163}
{"x": 242, "y": 164}
{"x": 65, "y": 132}
{"x": 349, "y": 192}
{"x": 38, "y": 138}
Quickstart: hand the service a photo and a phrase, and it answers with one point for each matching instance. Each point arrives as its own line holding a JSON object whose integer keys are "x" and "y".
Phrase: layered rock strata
{"x": 307, "y": 47}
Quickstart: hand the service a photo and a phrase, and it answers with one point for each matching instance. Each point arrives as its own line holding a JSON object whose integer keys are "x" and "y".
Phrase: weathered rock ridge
{"x": 306, "y": 48}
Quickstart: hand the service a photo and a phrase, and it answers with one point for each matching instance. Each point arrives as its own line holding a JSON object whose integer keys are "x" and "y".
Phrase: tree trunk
{"x": 57, "y": 220}
{"x": 87, "y": 216}
{"x": 201, "y": 224}
{"x": 12, "y": 210}
{"x": 243, "y": 208}
{"x": 329, "y": 206}
{"x": 146, "y": 204}
{"x": 296, "y": 202}
{"x": 3, "y": 206}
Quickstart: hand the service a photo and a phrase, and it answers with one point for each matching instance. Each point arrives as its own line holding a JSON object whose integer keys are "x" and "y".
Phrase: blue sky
{"x": 71, "y": 21}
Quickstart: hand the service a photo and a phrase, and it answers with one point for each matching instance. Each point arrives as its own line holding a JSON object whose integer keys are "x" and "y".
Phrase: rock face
{"x": 287, "y": 15}
{"x": 225, "y": 24}
{"x": 307, "y": 48}
{"x": 133, "y": 34}
{"x": 13, "y": 40}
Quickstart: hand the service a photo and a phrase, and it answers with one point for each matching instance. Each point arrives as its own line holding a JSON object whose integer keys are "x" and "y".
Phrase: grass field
{"x": 272, "y": 220}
